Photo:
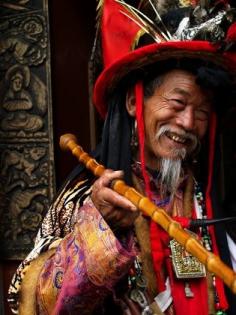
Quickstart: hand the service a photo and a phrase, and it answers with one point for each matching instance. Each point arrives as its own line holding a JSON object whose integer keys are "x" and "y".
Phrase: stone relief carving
{"x": 26, "y": 142}
{"x": 23, "y": 40}
{"x": 15, "y": 5}
{"x": 24, "y": 94}
{"x": 24, "y": 177}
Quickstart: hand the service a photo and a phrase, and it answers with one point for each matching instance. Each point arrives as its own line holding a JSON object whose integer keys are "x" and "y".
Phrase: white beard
{"x": 170, "y": 175}
{"x": 171, "y": 171}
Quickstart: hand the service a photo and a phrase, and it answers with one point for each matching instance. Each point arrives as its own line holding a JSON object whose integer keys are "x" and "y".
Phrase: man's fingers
{"x": 118, "y": 201}
{"x": 116, "y": 209}
{"x": 108, "y": 176}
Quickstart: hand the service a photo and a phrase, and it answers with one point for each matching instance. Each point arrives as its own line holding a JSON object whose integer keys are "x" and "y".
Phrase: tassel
{"x": 141, "y": 134}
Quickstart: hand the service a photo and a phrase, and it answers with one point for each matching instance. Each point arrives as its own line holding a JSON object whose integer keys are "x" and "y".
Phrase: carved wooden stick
{"x": 173, "y": 228}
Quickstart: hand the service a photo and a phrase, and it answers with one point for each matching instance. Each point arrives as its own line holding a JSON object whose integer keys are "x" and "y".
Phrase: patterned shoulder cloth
{"x": 58, "y": 222}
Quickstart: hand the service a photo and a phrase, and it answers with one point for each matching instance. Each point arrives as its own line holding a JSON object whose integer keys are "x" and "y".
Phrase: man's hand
{"x": 118, "y": 211}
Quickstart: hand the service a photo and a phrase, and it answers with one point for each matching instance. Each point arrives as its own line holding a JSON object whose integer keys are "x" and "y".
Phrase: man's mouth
{"x": 175, "y": 137}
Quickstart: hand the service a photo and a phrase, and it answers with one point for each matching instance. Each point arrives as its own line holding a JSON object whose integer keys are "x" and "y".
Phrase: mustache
{"x": 193, "y": 140}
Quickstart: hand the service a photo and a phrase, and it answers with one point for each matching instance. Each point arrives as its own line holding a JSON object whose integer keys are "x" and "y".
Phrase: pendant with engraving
{"x": 188, "y": 292}
{"x": 138, "y": 296}
{"x": 141, "y": 282}
{"x": 185, "y": 265}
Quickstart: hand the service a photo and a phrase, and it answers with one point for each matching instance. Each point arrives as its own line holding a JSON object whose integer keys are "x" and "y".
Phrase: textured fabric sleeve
{"x": 58, "y": 222}
{"x": 85, "y": 267}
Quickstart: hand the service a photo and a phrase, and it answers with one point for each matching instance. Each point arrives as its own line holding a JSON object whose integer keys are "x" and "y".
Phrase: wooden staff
{"x": 212, "y": 262}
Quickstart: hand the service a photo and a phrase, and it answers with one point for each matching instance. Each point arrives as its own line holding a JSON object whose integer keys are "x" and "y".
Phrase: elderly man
{"x": 176, "y": 116}
{"x": 95, "y": 253}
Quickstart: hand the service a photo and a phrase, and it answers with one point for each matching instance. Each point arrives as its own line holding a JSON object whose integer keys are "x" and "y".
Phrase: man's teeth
{"x": 176, "y": 138}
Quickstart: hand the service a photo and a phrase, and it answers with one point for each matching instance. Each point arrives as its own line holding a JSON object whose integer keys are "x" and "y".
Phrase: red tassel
{"x": 141, "y": 134}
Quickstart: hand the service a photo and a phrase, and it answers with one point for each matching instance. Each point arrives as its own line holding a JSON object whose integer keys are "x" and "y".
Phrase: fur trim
{"x": 27, "y": 304}
{"x": 188, "y": 196}
{"x": 142, "y": 232}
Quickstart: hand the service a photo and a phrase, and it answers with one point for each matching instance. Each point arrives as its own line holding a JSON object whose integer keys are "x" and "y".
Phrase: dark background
{"x": 72, "y": 28}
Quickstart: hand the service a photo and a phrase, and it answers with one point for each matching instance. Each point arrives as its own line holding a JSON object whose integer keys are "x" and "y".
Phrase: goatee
{"x": 171, "y": 174}
{"x": 171, "y": 169}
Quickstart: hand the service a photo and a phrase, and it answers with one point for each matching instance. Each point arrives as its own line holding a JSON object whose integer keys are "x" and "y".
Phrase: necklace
{"x": 206, "y": 239}
{"x": 137, "y": 288}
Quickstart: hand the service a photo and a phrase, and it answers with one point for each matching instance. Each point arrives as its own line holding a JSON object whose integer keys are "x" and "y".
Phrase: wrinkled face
{"x": 175, "y": 116}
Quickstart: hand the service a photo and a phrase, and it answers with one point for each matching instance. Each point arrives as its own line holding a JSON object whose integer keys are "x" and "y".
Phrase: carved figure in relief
{"x": 17, "y": 97}
{"x": 17, "y": 101}
{"x": 21, "y": 161}
{"x": 22, "y": 176}
{"x": 23, "y": 40}
{"x": 21, "y": 202}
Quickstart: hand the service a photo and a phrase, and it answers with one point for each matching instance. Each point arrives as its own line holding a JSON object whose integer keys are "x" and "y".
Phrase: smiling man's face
{"x": 175, "y": 117}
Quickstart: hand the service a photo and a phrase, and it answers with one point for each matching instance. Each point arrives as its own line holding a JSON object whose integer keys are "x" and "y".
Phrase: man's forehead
{"x": 173, "y": 73}
{"x": 181, "y": 91}
{"x": 178, "y": 79}
{"x": 183, "y": 82}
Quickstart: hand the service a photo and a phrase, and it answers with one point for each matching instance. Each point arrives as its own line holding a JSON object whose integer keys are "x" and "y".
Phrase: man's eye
{"x": 202, "y": 114}
{"x": 177, "y": 101}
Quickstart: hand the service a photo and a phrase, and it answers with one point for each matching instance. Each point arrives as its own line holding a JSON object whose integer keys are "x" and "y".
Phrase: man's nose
{"x": 186, "y": 119}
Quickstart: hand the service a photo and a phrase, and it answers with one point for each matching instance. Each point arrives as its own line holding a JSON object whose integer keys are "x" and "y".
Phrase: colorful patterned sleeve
{"x": 86, "y": 265}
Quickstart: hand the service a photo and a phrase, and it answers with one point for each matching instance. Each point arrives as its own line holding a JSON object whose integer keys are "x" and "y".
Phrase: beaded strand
{"x": 207, "y": 243}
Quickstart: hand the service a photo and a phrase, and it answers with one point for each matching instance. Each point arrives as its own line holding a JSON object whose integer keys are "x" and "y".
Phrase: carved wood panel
{"x": 26, "y": 136}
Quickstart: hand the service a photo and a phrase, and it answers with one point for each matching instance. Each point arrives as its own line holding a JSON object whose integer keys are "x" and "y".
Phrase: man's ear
{"x": 131, "y": 102}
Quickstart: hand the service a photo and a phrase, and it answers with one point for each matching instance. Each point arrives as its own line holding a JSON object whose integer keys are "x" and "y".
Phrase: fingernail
{"x": 133, "y": 208}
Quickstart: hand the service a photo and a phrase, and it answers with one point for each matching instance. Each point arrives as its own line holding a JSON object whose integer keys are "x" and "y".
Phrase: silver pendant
{"x": 147, "y": 311}
{"x": 137, "y": 296}
{"x": 185, "y": 265}
{"x": 188, "y": 292}
{"x": 141, "y": 282}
